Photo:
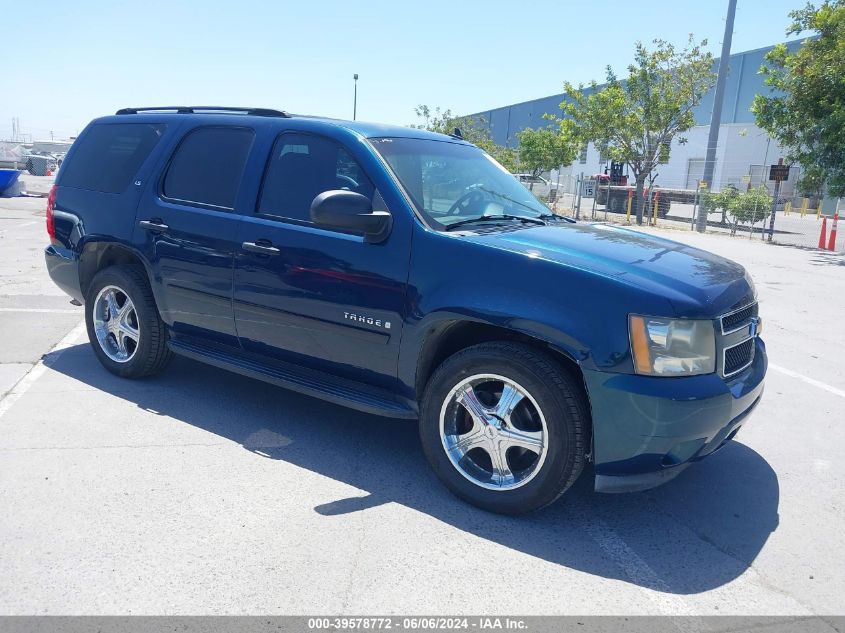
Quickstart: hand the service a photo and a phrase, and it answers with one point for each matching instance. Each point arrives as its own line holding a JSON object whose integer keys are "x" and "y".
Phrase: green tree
{"x": 807, "y": 112}
{"x": 634, "y": 121}
{"x": 718, "y": 200}
{"x": 544, "y": 149}
{"x": 811, "y": 184}
{"x": 473, "y": 129}
{"x": 743, "y": 207}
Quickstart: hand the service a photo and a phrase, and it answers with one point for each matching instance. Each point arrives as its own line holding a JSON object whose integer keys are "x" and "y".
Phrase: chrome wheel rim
{"x": 116, "y": 324}
{"x": 493, "y": 432}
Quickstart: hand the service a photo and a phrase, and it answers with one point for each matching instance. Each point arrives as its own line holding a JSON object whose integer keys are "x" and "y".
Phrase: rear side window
{"x": 108, "y": 156}
{"x": 207, "y": 166}
{"x": 302, "y": 166}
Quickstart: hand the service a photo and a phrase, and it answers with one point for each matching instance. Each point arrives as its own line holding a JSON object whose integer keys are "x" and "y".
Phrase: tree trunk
{"x": 638, "y": 198}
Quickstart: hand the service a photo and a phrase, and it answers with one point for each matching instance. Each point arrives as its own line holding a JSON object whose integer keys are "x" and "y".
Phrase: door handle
{"x": 263, "y": 247}
{"x": 153, "y": 225}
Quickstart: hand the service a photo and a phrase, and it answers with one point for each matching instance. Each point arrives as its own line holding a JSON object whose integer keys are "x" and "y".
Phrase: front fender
{"x": 421, "y": 342}
{"x": 585, "y": 315}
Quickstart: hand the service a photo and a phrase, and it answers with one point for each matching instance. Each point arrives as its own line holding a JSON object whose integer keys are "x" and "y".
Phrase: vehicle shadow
{"x": 696, "y": 533}
{"x": 820, "y": 257}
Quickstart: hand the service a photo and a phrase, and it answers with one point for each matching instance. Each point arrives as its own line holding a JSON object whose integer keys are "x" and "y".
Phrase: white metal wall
{"x": 740, "y": 147}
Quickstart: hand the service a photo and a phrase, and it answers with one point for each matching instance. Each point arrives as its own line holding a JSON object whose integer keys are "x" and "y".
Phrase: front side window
{"x": 454, "y": 182}
{"x": 303, "y": 166}
{"x": 207, "y": 166}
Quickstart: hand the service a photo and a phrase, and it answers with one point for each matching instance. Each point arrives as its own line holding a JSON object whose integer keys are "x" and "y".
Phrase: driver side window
{"x": 302, "y": 166}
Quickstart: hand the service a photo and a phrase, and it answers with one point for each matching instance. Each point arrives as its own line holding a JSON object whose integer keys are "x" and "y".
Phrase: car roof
{"x": 374, "y": 130}
{"x": 220, "y": 115}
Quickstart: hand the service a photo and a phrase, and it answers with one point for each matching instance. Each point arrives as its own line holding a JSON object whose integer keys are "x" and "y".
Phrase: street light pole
{"x": 355, "y": 98}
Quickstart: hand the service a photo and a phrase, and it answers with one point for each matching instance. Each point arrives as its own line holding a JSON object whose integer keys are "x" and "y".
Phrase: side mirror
{"x": 350, "y": 211}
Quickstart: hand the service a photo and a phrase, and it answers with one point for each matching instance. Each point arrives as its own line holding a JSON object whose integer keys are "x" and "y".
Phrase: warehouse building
{"x": 743, "y": 149}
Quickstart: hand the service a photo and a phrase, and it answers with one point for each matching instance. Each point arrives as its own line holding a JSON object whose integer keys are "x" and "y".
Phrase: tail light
{"x": 51, "y": 223}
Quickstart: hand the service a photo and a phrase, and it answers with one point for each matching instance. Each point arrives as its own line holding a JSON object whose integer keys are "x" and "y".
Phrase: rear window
{"x": 207, "y": 166}
{"x": 108, "y": 156}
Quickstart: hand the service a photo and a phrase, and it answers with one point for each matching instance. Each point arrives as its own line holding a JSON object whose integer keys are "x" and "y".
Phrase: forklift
{"x": 612, "y": 177}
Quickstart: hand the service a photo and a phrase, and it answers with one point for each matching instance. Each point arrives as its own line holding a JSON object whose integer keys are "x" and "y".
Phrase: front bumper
{"x": 647, "y": 430}
{"x": 63, "y": 266}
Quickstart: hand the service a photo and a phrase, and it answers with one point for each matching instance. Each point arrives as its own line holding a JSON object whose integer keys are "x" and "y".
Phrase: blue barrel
{"x": 8, "y": 177}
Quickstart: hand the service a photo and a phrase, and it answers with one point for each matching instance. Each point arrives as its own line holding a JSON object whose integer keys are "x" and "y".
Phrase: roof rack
{"x": 193, "y": 109}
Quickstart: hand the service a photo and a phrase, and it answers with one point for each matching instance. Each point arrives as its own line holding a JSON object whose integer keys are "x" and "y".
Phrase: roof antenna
{"x": 457, "y": 133}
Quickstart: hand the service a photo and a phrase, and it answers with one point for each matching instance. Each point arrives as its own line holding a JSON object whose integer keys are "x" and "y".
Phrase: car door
{"x": 187, "y": 229}
{"x": 320, "y": 298}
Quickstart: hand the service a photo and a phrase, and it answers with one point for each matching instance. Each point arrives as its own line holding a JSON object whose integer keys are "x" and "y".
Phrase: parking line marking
{"x": 38, "y": 369}
{"x": 640, "y": 573}
{"x": 810, "y": 381}
{"x": 684, "y": 613}
{"x": 43, "y": 310}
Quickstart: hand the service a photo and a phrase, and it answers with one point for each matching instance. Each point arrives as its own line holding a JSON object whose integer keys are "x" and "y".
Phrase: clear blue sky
{"x": 86, "y": 58}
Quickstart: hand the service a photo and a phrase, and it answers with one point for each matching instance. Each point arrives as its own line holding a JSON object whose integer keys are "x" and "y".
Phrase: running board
{"x": 347, "y": 393}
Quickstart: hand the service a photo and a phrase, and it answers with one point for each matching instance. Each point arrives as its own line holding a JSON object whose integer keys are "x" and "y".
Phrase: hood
{"x": 696, "y": 282}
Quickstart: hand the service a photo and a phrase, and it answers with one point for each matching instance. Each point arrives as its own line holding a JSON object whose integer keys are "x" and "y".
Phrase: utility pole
{"x": 716, "y": 117}
{"x": 355, "y": 98}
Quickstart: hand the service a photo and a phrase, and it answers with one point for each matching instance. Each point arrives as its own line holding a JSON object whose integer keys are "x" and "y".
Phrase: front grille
{"x": 735, "y": 320}
{"x": 738, "y": 357}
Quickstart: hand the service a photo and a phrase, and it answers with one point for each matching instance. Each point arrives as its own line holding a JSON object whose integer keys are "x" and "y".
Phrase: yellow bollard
{"x": 805, "y": 203}
{"x": 818, "y": 212}
{"x": 630, "y": 200}
{"x": 787, "y": 207}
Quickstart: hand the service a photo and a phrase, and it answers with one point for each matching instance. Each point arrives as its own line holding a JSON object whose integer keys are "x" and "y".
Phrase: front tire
{"x": 505, "y": 427}
{"x": 124, "y": 326}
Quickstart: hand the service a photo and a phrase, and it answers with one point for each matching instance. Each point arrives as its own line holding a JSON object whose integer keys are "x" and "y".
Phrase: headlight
{"x": 672, "y": 347}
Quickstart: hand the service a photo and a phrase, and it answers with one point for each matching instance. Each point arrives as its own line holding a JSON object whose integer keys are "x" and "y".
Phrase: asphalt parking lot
{"x": 203, "y": 492}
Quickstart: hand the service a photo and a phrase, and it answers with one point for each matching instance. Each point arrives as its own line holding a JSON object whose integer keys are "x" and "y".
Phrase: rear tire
{"x": 124, "y": 326}
{"x": 535, "y": 450}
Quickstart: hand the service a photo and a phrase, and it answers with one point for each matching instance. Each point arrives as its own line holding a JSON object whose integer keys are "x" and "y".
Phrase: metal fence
{"x": 798, "y": 221}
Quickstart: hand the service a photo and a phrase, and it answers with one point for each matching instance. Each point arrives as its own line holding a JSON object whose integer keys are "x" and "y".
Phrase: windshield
{"x": 452, "y": 182}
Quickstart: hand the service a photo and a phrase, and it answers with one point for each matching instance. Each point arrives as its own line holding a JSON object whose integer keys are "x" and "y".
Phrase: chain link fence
{"x": 798, "y": 221}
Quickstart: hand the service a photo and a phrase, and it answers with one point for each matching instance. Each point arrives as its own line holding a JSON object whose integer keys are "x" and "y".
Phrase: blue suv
{"x": 405, "y": 274}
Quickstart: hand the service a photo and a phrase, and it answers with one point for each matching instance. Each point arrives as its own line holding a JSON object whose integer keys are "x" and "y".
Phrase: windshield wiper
{"x": 555, "y": 216}
{"x": 498, "y": 216}
{"x": 504, "y": 197}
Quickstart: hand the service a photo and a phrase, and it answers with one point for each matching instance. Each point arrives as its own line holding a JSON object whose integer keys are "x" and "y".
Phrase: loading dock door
{"x": 695, "y": 172}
